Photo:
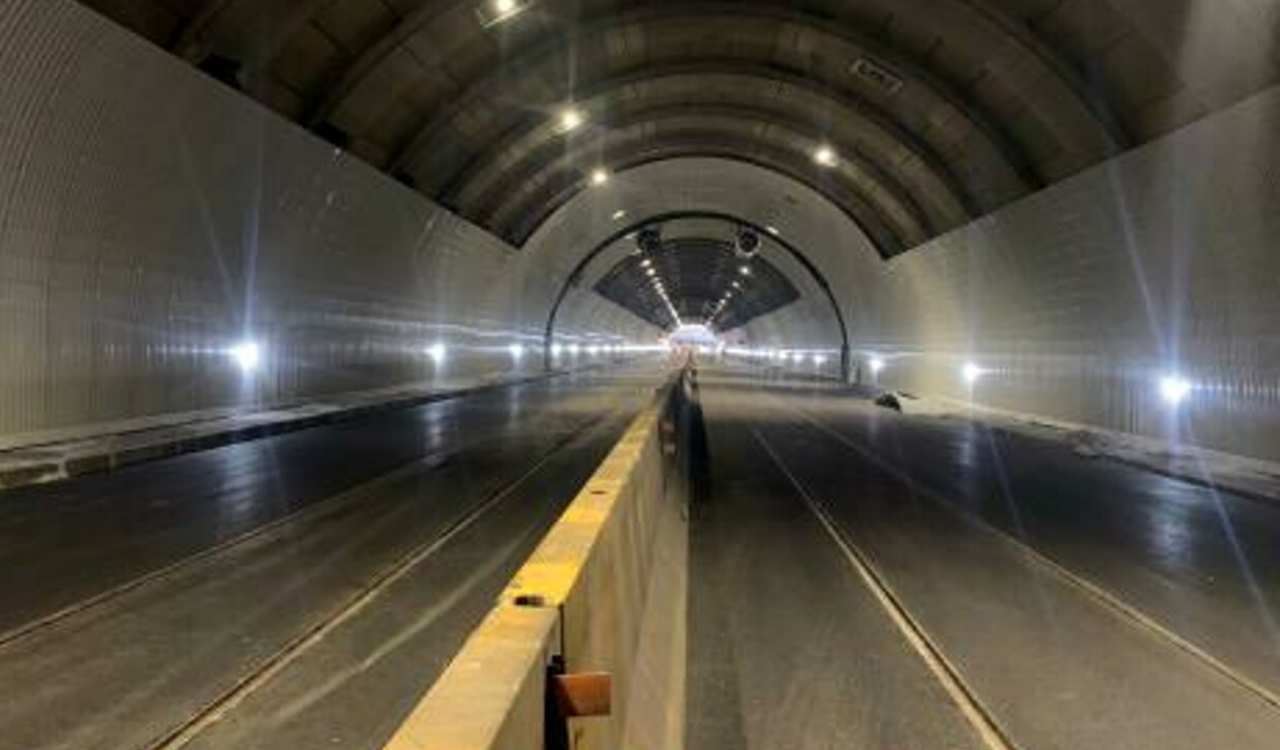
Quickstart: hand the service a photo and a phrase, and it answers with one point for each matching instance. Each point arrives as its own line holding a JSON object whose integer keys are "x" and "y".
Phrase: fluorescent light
{"x": 825, "y": 156}
{"x": 247, "y": 354}
{"x": 1174, "y": 389}
{"x": 599, "y": 176}
{"x": 771, "y": 229}
{"x": 646, "y": 262}
{"x": 619, "y": 214}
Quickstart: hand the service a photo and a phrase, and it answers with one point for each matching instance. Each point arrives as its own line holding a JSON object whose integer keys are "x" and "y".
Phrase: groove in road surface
{"x": 978, "y": 717}
{"x": 1099, "y": 595}
{"x": 276, "y": 663}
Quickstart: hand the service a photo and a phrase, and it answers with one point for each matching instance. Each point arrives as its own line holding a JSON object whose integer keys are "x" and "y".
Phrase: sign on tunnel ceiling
{"x": 703, "y": 279}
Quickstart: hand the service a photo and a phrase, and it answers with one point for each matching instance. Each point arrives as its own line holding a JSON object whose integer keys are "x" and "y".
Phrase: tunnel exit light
{"x": 247, "y": 354}
{"x": 1174, "y": 389}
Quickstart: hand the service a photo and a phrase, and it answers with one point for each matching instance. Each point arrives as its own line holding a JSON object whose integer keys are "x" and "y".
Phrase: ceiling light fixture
{"x": 599, "y": 176}
{"x": 570, "y": 120}
{"x": 619, "y": 214}
{"x": 825, "y": 156}
{"x": 494, "y": 12}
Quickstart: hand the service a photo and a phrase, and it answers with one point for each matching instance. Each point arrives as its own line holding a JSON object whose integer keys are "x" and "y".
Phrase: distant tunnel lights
{"x": 1174, "y": 389}
{"x": 247, "y": 355}
{"x": 599, "y": 177}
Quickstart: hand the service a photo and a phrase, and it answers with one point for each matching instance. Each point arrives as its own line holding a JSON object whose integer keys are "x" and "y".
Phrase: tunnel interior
{"x": 319, "y": 318}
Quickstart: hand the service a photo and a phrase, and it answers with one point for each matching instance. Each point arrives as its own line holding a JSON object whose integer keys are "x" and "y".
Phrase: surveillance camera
{"x": 649, "y": 240}
{"x": 746, "y": 243}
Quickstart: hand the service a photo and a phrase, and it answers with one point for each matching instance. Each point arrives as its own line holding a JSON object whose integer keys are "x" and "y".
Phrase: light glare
{"x": 436, "y": 352}
{"x": 1174, "y": 389}
{"x": 599, "y": 177}
{"x": 971, "y": 373}
{"x": 247, "y": 355}
{"x": 877, "y": 365}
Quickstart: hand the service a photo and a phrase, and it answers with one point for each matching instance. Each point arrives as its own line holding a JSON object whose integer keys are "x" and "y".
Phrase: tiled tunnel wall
{"x": 1079, "y": 300}
{"x": 151, "y": 219}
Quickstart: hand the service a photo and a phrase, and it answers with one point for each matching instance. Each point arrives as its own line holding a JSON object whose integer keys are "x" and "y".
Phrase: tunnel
{"x": 470, "y": 374}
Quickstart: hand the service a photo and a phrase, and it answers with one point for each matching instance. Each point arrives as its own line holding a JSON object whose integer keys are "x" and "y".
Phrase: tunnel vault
{"x": 933, "y": 114}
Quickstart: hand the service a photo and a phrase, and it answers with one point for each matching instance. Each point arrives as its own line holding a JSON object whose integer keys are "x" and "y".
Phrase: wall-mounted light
{"x": 599, "y": 176}
{"x": 876, "y": 365}
{"x": 247, "y": 355}
{"x": 437, "y": 353}
{"x": 517, "y": 351}
{"x": 556, "y": 349}
{"x": 971, "y": 372}
{"x": 1174, "y": 389}
{"x": 744, "y": 270}
{"x": 619, "y": 214}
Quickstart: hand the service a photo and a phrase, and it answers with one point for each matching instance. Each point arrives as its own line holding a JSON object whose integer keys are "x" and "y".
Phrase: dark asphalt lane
{"x": 340, "y": 615}
{"x": 1203, "y": 563}
{"x": 110, "y": 529}
{"x": 1053, "y": 666}
{"x": 787, "y": 649}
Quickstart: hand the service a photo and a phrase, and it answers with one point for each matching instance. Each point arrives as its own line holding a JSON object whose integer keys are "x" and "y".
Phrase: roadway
{"x": 861, "y": 578}
{"x": 295, "y": 591}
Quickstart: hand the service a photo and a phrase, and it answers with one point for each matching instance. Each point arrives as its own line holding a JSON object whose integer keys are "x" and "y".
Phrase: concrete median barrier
{"x": 604, "y": 593}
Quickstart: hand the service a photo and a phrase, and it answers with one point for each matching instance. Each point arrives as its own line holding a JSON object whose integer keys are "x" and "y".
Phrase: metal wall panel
{"x": 152, "y": 219}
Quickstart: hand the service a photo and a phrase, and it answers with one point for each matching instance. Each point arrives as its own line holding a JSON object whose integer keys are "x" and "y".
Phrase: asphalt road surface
{"x": 861, "y": 578}
{"x": 300, "y": 591}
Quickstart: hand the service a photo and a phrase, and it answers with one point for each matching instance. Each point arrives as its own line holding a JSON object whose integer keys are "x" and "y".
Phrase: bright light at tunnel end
{"x": 1174, "y": 389}
{"x": 247, "y": 355}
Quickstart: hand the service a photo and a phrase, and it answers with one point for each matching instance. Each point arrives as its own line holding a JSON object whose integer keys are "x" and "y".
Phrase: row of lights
{"x": 734, "y": 286}
{"x": 660, "y": 289}
{"x": 248, "y": 354}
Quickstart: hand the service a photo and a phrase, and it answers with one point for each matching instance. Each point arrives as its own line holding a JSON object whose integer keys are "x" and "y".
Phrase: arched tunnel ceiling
{"x": 701, "y": 280}
{"x": 939, "y": 111}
